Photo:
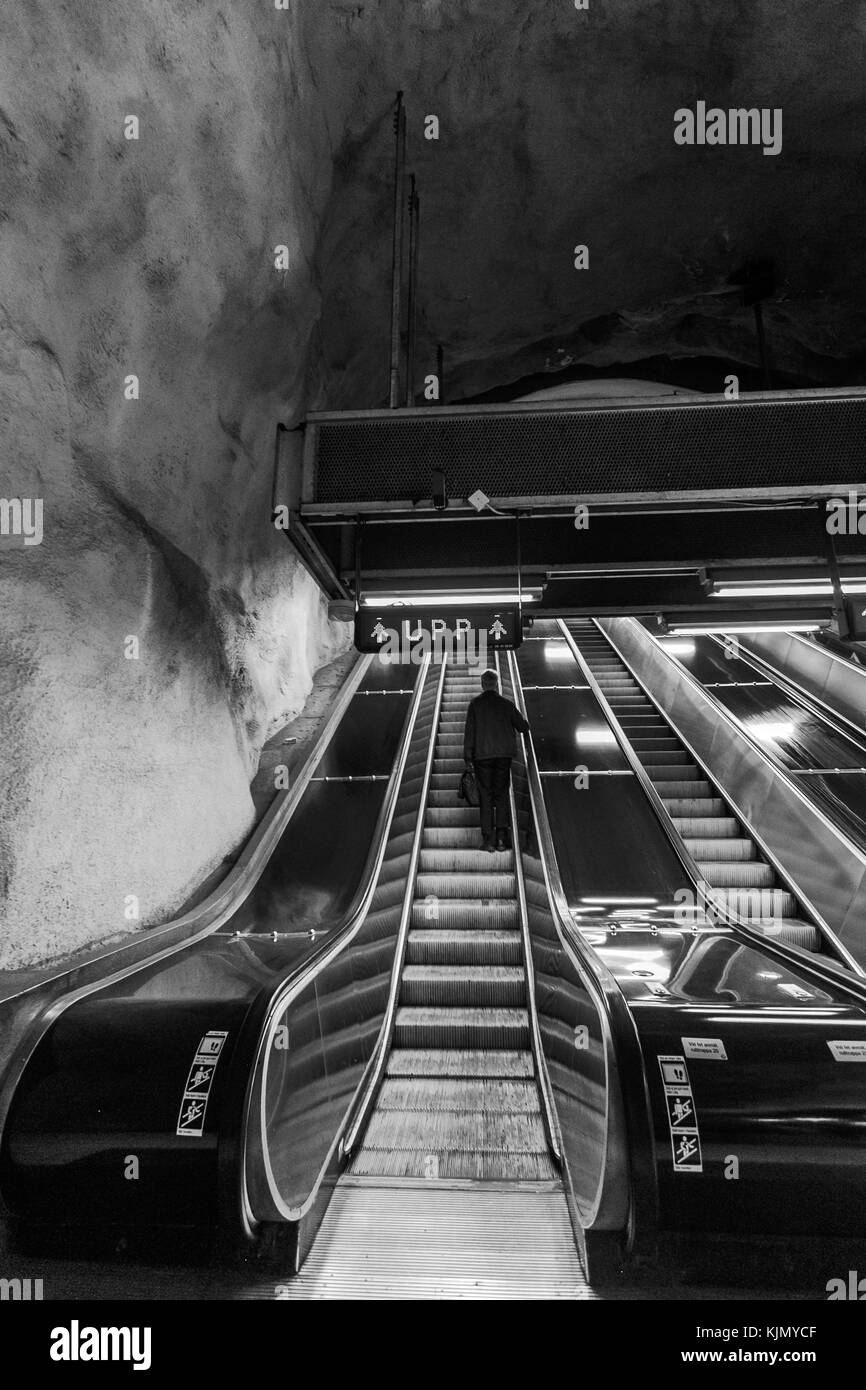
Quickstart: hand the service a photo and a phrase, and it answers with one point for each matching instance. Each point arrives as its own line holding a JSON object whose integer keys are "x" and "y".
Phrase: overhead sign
{"x": 856, "y": 613}
{"x": 400, "y": 633}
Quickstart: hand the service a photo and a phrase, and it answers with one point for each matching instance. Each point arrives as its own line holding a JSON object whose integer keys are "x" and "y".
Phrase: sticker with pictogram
{"x": 190, "y": 1120}
{"x": 682, "y": 1115}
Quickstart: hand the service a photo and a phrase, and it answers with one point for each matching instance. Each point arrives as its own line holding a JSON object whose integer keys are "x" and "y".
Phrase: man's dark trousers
{"x": 493, "y": 776}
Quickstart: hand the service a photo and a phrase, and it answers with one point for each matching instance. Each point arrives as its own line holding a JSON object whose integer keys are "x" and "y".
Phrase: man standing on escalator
{"x": 488, "y": 747}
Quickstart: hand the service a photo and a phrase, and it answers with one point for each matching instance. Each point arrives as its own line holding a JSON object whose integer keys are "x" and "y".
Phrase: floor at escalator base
{"x": 410, "y": 1240}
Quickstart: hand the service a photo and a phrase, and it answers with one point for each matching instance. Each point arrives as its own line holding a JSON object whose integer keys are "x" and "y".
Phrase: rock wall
{"x": 162, "y": 628}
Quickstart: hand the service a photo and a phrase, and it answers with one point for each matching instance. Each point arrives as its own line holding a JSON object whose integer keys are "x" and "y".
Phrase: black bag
{"x": 469, "y": 788}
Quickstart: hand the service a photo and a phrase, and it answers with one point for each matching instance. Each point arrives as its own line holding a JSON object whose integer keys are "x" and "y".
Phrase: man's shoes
{"x": 487, "y": 844}
{"x": 502, "y": 841}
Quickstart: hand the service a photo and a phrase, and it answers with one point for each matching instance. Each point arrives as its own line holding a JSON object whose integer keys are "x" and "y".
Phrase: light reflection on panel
{"x": 568, "y": 730}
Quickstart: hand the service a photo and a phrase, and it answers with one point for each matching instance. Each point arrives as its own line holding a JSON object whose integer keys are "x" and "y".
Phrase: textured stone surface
{"x": 155, "y": 257}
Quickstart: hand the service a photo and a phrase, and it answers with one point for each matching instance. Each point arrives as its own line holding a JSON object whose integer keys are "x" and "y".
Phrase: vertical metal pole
{"x": 440, "y": 372}
{"x": 835, "y": 576}
{"x": 519, "y": 574}
{"x": 358, "y": 525}
{"x": 414, "y": 232}
{"x": 397, "y": 253}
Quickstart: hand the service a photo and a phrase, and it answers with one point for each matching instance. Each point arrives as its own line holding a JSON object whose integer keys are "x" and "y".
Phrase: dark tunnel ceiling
{"x": 557, "y": 129}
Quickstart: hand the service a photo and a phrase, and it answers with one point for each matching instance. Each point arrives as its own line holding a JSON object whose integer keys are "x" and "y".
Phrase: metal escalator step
{"x": 675, "y": 772}
{"x": 459, "y": 815}
{"x": 756, "y": 874}
{"x": 470, "y": 885}
{"x": 667, "y": 758}
{"x": 447, "y": 781}
{"x": 408, "y": 1061}
{"x": 473, "y": 914}
{"x": 723, "y": 847}
{"x": 693, "y": 805}
{"x": 452, "y": 765}
{"x": 451, "y": 837}
{"x": 480, "y": 1165}
{"x": 650, "y": 743}
{"x": 466, "y": 861}
{"x": 795, "y": 931}
{"x": 444, "y": 947}
{"x": 493, "y": 1096}
{"x": 676, "y": 791}
{"x": 461, "y": 1028}
{"x": 760, "y": 904}
{"x": 706, "y": 827}
{"x": 441, "y": 1130}
{"x": 463, "y": 986}
{"x": 446, "y": 795}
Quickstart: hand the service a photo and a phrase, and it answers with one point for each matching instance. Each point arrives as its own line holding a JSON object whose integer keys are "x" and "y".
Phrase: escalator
{"x": 726, "y": 855}
{"x": 451, "y": 1084}
{"x": 460, "y": 1098}
{"x": 453, "y": 1188}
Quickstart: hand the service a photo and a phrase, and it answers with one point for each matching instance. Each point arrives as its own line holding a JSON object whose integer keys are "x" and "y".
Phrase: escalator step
{"x": 473, "y": 914}
{"x": 476, "y": 885}
{"x": 675, "y": 772}
{"x": 741, "y": 875}
{"x": 795, "y": 932}
{"x": 681, "y": 789}
{"x": 724, "y": 847}
{"x": 450, "y": 767}
{"x": 447, "y": 796}
{"x": 452, "y": 816}
{"x": 691, "y": 806}
{"x": 466, "y": 861}
{"x": 461, "y": 1028}
{"x": 667, "y": 758}
{"x": 443, "y": 947}
{"x": 407, "y": 1061}
{"x": 466, "y": 1131}
{"x": 760, "y": 904}
{"x": 452, "y": 837}
{"x": 429, "y": 1094}
{"x": 463, "y": 986}
{"x": 706, "y": 827}
{"x": 489, "y": 1165}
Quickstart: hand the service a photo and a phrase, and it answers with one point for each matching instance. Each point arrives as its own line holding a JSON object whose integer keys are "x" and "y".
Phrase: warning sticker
{"x": 190, "y": 1120}
{"x": 674, "y": 1071}
{"x": 705, "y": 1047}
{"x": 848, "y": 1050}
{"x": 681, "y": 1113}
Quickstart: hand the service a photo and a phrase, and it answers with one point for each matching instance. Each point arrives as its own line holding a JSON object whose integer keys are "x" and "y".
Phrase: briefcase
{"x": 469, "y": 788}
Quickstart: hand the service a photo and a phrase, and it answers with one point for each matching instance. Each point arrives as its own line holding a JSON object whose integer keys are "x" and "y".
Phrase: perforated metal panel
{"x": 774, "y": 442}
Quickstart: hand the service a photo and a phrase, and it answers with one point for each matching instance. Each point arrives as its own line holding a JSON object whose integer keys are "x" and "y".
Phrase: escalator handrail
{"x": 623, "y": 1037}
{"x": 847, "y": 978}
{"x": 255, "y": 1043}
{"x": 366, "y": 1095}
{"x": 551, "y": 1123}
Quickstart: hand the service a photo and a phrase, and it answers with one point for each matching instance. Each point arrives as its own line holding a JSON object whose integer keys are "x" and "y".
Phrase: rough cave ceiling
{"x": 557, "y": 128}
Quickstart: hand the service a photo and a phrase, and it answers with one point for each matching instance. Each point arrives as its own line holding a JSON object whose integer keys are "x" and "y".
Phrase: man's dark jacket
{"x": 490, "y": 724}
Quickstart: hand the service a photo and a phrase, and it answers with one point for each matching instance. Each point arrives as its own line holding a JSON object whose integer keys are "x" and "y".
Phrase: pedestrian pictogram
{"x": 193, "y": 1106}
{"x": 682, "y": 1115}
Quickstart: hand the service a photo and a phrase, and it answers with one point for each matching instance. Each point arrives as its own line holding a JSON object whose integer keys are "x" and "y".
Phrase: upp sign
{"x": 496, "y": 629}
